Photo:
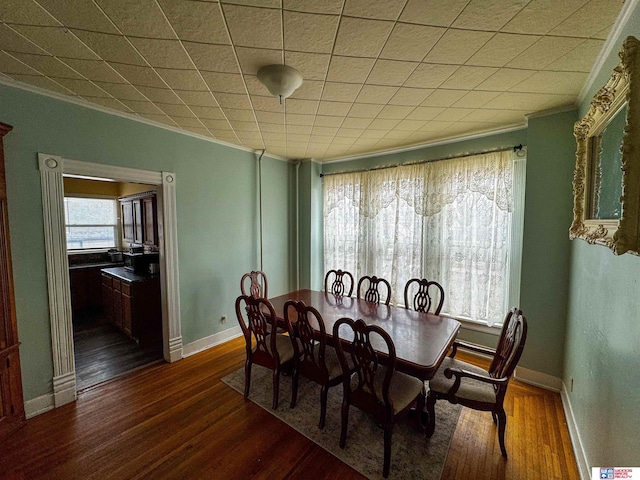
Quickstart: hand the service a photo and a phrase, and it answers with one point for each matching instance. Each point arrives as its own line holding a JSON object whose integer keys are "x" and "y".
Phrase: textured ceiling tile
{"x": 340, "y": 92}
{"x": 349, "y": 69}
{"x": 326, "y": 131}
{"x": 457, "y": 46}
{"x": 254, "y": 87}
{"x": 10, "y": 65}
{"x": 112, "y": 48}
{"x": 301, "y": 106}
{"x": 25, "y": 12}
{"x": 122, "y": 91}
{"x": 540, "y": 16}
{"x": 328, "y": 121}
{"x": 47, "y": 65}
{"x": 312, "y": 66}
{"x": 590, "y": 19}
{"x": 199, "y": 130}
{"x": 379, "y": 9}
{"x": 182, "y": 79}
{"x": 163, "y": 53}
{"x": 390, "y": 72}
{"x": 383, "y": 124}
{"x": 580, "y": 59}
{"x": 57, "y": 42}
{"x": 175, "y": 110}
{"x": 360, "y": 37}
{"x": 79, "y": 14}
{"x": 251, "y": 59}
{"x": 139, "y": 76}
{"x": 552, "y": 82}
{"x": 443, "y": 98}
{"x": 273, "y": 132}
{"x": 309, "y": 90}
{"x": 224, "y": 82}
{"x": 334, "y": 108}
{"x": 530, "y": 102}
{"x": 13, "y": 42}
{"x": 376, "y": 94}
{"x": 109, "y": 103}
{"x": 501, "y": 49}
{"x": 305, "y": 32}
{"x": 213, "y": 58}
{"x": 453, "y": 114}
{"x": 488, "y": 14}
{"x": 239, "y": 115}
{"x": 208, "y": 112}
{"x": 142, "y": 18}
{"x": 410, "y": 124}
{"x": 432, "y": 12}
{"x": 497, "y": 116}
{"x": 397, "y": 134}
{"x": 187, "y": 121}
{"x": 201, "y": 99}
{"x": 410, "y": 96}
{"x": 42, "y": 82}
{"x": 429, "y": 75}
{"x": 254, "y": 27}
{"x": 160, "y": 95}
{"x": 395, "y": 112}
{"x": 339, "y": 140}
{"x": 196, "y": 21}
{"x": 82, "y": 87}
{"x": 220, "y": 125}
{"x": 293, "y": 130}
{"x": 411, "y": 42}
{"x": 317, "y": 6}
{"x": 266, "y": 104}
{"x": 350, "y": 132}
{"x": 365, "y": 110}
{"x": 504, "y": 79}
{"x": 96, "y": 70}
{"x": 425, "y": 113}
{"x": 297, "y": 119}
{"x": 244, "y": 126}
{"x": 467, "y": 78}
{"x": 543, "y": 52}
{"x": 232, "y": 100}
{"x": 475, "y": 99}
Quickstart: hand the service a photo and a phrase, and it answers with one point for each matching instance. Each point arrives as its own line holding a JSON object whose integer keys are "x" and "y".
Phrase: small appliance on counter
{"x": 139, "y": 262}
{"x": 114, "y": 255}
{"x": 135, "y": 248}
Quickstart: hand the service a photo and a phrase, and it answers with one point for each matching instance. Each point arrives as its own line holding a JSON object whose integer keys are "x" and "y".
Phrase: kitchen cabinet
{"x": 85, "y": 284}
{"x": 135, "y": 305}
{"x": 139, "y": 218}
{"x": 11, "y": 401}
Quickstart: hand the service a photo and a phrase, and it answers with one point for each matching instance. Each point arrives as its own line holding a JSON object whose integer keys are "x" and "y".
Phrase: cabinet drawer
{"x": 106, "y": 281}
{"x": 126, "y": 288}
{"x": 117, "y": 285}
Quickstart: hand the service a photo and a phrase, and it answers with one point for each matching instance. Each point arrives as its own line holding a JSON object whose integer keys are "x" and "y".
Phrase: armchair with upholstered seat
{"x": 474, "y": 387}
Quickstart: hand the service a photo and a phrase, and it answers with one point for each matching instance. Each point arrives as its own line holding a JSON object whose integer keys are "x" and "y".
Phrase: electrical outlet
{"x": 223, "y": 319}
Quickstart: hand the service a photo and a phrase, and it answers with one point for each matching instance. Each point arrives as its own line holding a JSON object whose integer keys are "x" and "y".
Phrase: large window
{"x": 91, "y": 223}
{"x": 456, "y": 221}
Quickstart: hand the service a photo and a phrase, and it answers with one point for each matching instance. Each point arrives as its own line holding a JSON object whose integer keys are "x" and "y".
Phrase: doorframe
{"x": 52, "y": 168}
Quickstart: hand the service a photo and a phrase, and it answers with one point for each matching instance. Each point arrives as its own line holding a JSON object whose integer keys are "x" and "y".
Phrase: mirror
{"x": 606, "y": 180}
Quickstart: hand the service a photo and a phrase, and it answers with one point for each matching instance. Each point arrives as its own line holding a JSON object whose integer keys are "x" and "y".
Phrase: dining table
{"x": 421, "y": 340}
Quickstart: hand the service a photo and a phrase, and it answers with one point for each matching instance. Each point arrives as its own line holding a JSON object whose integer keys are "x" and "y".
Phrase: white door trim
{"x": 52, "y": 168}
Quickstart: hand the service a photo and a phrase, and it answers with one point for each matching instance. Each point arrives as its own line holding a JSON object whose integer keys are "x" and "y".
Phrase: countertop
{"x": 95, "y": 265}
{"x": 128, "y": 276}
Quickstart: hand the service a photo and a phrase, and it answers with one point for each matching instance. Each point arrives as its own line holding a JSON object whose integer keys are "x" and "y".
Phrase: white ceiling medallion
{"x": 280, "y": 80}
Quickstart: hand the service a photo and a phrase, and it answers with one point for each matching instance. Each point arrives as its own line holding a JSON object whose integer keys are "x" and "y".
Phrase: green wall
{"x": 217, "y": 213}
{"x": 602, "y": 352}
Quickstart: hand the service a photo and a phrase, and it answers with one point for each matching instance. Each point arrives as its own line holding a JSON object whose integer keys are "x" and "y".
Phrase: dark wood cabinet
{"x": 138, "y": 214}
{"x": 11, "y": 400}
{"x": 85, "y": 289}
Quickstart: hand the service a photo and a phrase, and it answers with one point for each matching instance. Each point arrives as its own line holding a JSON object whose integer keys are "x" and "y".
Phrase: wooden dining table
{"x": 421, "y": 339}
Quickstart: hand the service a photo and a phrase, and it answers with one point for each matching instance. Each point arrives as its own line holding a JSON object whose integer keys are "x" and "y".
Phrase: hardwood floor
{"x": 180, "y": 421}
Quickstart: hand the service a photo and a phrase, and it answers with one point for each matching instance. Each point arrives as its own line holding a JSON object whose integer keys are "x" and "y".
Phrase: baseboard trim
{"x": 211, "y": 341}
{"x": 574, "y": 433}
{"x": 38, "y": 405}
{"x": 538, "y": 379}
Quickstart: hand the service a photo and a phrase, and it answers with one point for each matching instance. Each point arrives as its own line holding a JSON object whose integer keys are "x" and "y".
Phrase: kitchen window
{"x": 90, "y": 223}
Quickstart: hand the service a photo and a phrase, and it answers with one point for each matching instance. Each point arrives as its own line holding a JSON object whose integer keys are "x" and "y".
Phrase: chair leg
{"x": 502, "y": 426}
{"x": 420, "y": 411}
{"x": 388, "y": 430}
{"x": 247, "y": 377}
{"x": 345, "y": 421}
{"x": 495, "y": 417}
{"x": 276, "y": 388}
{"x": 323, "y": 405}
{"x": 294, "y": 385}
{"x": 431, "y": 412}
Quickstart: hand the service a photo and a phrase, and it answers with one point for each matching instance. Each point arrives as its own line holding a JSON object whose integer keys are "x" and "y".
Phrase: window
{"x": 91, "y": 223}
{"x": 456, "y": 221}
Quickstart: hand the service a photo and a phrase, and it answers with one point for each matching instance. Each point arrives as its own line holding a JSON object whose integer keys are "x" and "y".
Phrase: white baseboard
{"x": 538, "y": 379}
{"x": 211, "y": 341}
{"x": 38, "y": 405}
{"x": 574, "y": 433}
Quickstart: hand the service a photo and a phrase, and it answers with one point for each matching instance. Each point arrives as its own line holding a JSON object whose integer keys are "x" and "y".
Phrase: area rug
{"x": 412, "y": 456}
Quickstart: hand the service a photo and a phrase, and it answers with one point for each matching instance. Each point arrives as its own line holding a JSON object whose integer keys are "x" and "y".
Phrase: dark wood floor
{"x": 171, "y": 421}
{"x": 102, "y": 352}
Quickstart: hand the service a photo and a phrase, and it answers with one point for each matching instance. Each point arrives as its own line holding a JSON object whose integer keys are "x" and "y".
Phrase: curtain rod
{"x": 515, "y": 148}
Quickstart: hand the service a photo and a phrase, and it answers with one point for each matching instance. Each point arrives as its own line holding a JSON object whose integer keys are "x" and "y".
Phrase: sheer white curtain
{"x": 448, "y": 221}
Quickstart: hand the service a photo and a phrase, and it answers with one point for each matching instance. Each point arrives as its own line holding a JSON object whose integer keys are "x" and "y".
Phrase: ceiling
{"x": 378, "y": 74}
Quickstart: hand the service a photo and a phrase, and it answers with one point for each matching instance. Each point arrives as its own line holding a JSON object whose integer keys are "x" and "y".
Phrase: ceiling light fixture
{"x": 280, "y": 80}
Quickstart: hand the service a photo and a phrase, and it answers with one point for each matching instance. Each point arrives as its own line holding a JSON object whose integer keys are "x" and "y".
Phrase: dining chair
{"x": 372, "y": 293}
{"x": 316, "y": 360}
{"x": 341, "y": 282}
{"x": 373, "y": 387}
{"x": 474, "y": 387}
{"x": 257, "y": 284}
{"x": 274, "y": 352}
{"x": 422, "y": 294}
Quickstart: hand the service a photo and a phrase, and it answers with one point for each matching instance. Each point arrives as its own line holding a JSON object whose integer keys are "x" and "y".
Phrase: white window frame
{"x": 116, "y": 226}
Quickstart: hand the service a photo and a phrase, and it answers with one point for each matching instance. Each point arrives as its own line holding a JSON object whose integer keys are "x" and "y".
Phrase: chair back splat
{"x": 339, "y": 282}
{"x": 373, "y": 293}
{"x": 257, "y": 287}
{"x": 421, "y": 295}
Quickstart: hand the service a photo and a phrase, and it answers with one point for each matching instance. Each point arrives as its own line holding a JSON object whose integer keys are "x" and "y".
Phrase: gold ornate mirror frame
{"x": 620, "y": 235}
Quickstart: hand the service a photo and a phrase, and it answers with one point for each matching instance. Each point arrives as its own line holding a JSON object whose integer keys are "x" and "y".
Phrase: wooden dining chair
{"x": 255, "y": 284}
{"x": 372, "y": 292}
{"x": 421, "y": 295}
{"x": 474, "y": 387}
{"x": 374, "y": 388}
{"x": 316, "y": 360}
{"x": 257, "y": 320}
{"x": 340, "y": 281}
